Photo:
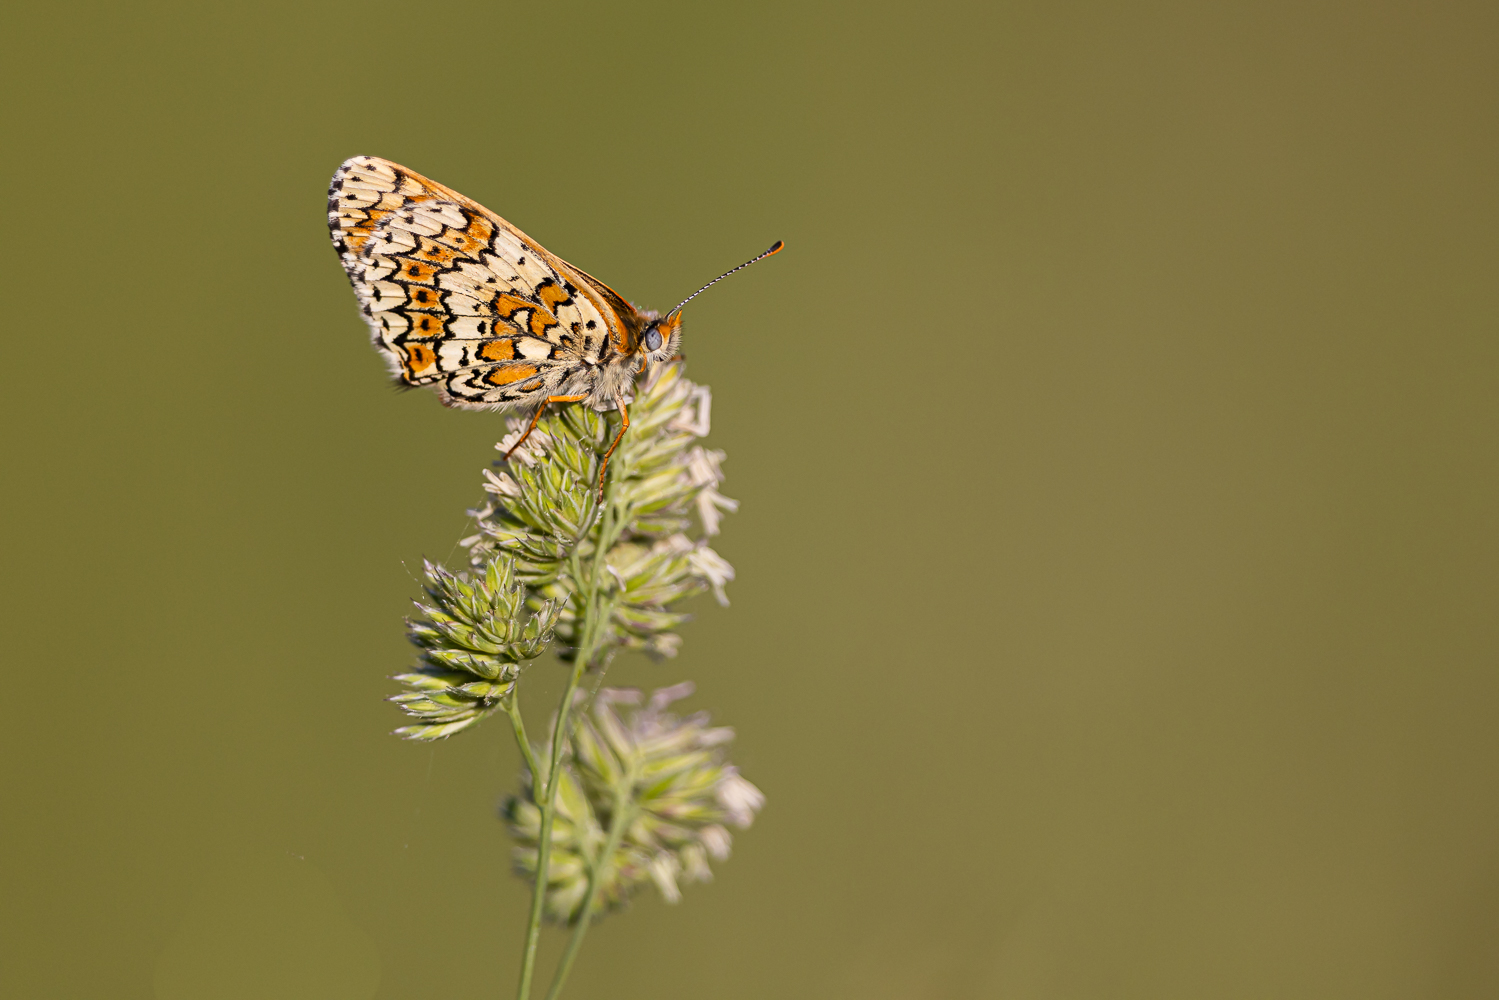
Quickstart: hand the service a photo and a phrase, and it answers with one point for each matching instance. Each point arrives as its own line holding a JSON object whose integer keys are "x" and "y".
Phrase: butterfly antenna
{"x": 741, "y": 267}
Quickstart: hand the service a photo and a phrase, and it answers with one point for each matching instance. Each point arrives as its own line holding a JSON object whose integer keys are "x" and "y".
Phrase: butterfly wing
{"x": 459, "y": 299}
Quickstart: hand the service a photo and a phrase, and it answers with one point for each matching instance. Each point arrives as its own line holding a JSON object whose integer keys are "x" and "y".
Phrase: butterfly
{"x": 460, "y": 300}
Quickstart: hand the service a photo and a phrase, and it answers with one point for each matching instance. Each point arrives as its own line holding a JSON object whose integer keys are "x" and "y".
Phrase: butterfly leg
{"x": 624, "y": 412}
{"x": 537, "y": 416}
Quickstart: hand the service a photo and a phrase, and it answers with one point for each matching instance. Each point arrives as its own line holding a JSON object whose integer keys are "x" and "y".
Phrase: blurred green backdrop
{"x": 1116, "y": 610}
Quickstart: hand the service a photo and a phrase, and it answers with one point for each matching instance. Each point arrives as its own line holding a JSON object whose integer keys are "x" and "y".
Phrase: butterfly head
{"x": 661, "y": 340}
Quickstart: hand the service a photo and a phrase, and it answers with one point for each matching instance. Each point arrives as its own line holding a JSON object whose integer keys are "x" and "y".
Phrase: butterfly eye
{"x": 652, "y": 339}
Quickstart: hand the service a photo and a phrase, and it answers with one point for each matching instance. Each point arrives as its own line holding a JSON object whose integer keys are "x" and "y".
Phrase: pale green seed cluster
{"x": 643, "y": 797}
{"x": 544, "y": 522}
{"x": 546, "y": 495}
{"x": 657, "y": 786}
{"x": 475, "y": 634}
{"x": 663, "y": 486}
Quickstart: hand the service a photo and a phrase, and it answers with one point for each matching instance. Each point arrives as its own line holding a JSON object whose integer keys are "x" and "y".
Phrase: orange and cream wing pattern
{"x": 461, "y": 300}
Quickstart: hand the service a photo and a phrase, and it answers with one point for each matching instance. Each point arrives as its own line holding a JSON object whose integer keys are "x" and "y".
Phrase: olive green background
{"x": 1115, "y": 437}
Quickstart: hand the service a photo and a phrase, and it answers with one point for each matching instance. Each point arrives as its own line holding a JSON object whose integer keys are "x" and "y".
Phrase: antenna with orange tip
{"x": 774, "y": 249}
